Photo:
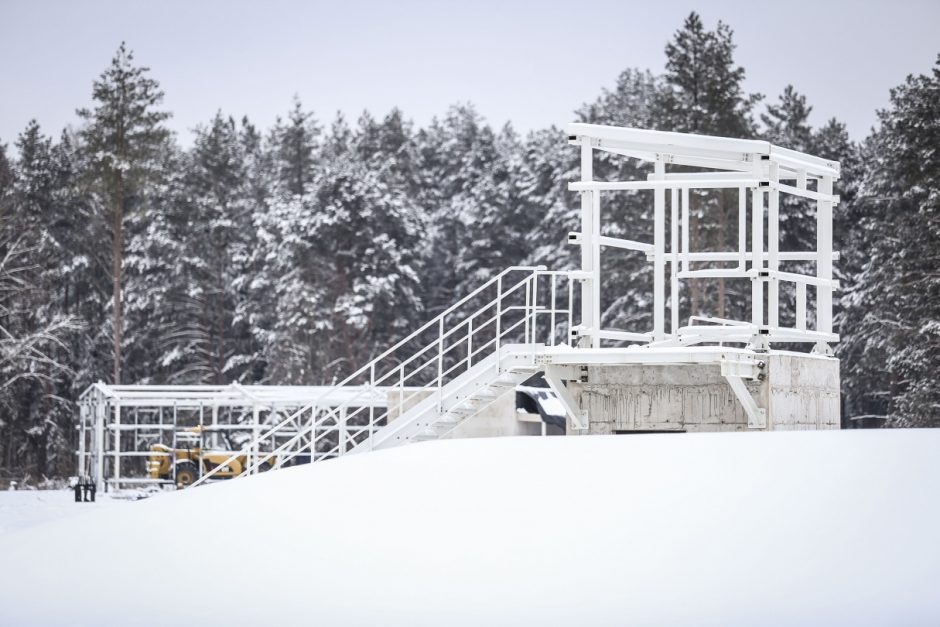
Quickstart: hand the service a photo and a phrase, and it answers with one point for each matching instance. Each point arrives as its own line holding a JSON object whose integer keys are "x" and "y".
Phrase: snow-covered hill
{"x": 731, "y": 529}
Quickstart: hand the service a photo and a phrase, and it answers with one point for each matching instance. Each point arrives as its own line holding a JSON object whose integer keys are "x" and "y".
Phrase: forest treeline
{"x": 293, "y": 254}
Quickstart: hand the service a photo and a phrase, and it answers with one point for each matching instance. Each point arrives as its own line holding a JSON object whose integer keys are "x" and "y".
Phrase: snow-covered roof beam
{"x": 700, "y": 150}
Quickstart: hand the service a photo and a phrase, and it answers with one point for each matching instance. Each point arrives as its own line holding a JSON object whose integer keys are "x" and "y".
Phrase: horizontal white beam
{"x": 708, "y": 176}
{"x": 714, "y": 273}
{"x": 733, "y": 256}
{"x": 793, "y": 277}
{"x": 674, "y": 140}
{"x": 627, "y": 244}
{"x": 805, "y": 193}
{"x": 590, "y": 186}
{"x": 744, "y": 333}
{"x": 645, "y": 355}
{"x": 802, "y": 161}
{"x": 625, "y": 336}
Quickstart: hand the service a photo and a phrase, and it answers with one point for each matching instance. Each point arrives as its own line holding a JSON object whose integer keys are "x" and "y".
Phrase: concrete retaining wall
{"x": 799, "y": 392}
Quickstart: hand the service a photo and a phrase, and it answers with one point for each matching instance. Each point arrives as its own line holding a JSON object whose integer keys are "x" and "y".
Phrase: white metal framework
{"x": 118, "y": 424}
{"x": 523, "y": 320}
{"x": 760, "y": 172}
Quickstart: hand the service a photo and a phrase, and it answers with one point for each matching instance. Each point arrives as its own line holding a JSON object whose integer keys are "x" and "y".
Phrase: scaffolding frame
{"x": 118, "y": 424}
{"x": 759, "y": 171}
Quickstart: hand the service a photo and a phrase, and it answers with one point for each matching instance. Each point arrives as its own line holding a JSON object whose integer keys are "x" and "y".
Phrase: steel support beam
{"x": 555, "y": 377}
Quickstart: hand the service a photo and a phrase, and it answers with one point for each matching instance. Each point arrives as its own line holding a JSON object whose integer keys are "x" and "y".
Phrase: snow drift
{"x": 732, "y": 529}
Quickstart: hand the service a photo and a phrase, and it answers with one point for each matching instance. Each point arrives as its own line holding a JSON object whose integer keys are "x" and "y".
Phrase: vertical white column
{"x": 255, "y": 425}
{"x": 824, "y": 261}
{"x": 742, "y": 229}
{"x": 757, "y": 258}
{"x": 686, "y": 218}
{"x": 773, "y": 248}
{"x": 100, "y": 412}
{"x": 82, "y": 419}
{"x": 117, "y": 444}
{"x": 674, "y": 265}
{"x": 659, "y": 252}
{"x": 596, "y": 270}
{"x": 587, "y": 243}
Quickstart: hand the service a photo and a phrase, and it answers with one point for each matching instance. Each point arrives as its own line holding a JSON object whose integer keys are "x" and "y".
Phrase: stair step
{"x": 463, "y": 409}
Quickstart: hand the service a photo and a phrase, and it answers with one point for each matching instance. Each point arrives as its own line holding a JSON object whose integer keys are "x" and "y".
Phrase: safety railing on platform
{"x": 503, "y": 310}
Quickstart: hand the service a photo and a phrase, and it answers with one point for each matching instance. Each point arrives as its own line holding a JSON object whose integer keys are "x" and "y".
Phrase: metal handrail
{"x": 532, "y": 273}
{"x": 287, "y": 446}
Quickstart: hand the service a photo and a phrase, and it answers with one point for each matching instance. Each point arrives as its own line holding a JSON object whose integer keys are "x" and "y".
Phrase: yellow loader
{"x": 197, "y": 456}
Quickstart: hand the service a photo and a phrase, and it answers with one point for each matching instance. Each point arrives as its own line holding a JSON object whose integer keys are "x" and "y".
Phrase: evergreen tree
{"x": 891, "y": 338}
{"x": 34, "y": 363}
{"x": 295, "y": 149}
{"x": 123, "y": 138}
{"x": 704, "y": 94}
{"x": 216, "y": 239}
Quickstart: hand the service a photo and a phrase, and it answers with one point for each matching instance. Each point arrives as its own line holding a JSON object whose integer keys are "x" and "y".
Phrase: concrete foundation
{"x": 799, "y": 392}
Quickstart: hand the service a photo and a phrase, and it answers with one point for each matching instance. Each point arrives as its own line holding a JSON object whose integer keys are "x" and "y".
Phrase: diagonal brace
{"x": 756, "y": 416}
{"x": 554, "y": 378}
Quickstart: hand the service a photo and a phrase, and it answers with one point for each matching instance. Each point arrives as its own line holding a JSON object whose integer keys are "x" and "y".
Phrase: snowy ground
{"x": 802, "y": 528}
{"x": 25, "y": 508}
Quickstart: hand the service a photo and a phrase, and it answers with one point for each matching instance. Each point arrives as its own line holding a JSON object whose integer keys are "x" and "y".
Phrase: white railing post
{"x": 371, "y": 400}
{"x": 589, "y": 315}
{"x": 401, "y": 390}
{"x": 570, "y": 305}
{"x": 686, "y": 218}
{"x": 116, "y": 471}
{"x": 659, "y": 256}
{"x": 742, "y": 229}
{"x": 526, "y": 311}
{"x": 253, "y": 451}
{"x": 440, "y": 366}
{"x": 773, "y": 248}
{"x": 674, "y": 264}
{"x": 469, "y": 343}
{"x": 757, "y": 259}
{"x": 551, "y": 328}
{"x": 499, "y": 315}
{"x": 83, "y": 416}
{"x": 824, "y": 262}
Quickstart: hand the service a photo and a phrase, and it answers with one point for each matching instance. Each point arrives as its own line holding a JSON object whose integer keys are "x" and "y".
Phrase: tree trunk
{"x": 117, "y": 249}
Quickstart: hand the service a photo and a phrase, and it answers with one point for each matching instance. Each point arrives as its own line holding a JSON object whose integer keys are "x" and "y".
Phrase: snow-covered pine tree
{"x": 123, "y": 138}
{"x": 499, "y": 228}
{"x": 295, "y": 147}
{"x": 34, "y": 362}
{"x": 213, "y": 237}
{"x": 548, "y": 163}
{"x": 704, "y": 94}
{"x": 457, "y": 155}
{"x": 342, "y": 262}
{"x": 891, "y": 334}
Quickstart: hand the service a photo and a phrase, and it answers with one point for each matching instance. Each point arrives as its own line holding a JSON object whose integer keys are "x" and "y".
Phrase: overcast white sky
{"x": 528, "y": 63}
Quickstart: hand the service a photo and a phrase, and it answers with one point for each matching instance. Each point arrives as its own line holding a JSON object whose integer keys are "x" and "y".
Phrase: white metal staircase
{"x": 460, "y": 399}
{"x": 441, "y": 375}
